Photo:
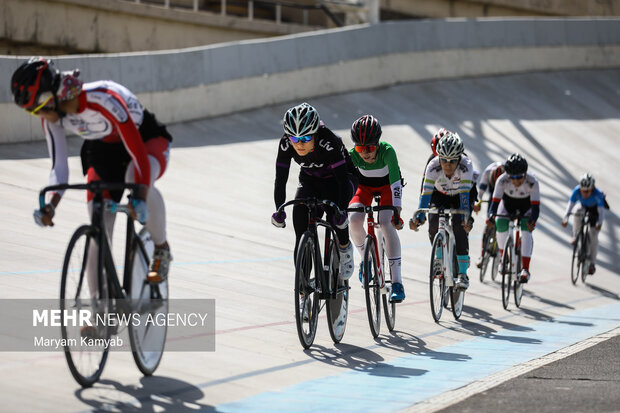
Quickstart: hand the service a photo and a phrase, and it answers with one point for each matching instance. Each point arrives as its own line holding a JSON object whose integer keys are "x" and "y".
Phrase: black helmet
{"x": 33, "y": 78}
{"x": 366, "y": 131}
{"x": 515, "y": 164}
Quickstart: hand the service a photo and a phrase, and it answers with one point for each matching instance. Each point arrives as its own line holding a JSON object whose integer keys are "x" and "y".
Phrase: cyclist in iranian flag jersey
{"x": 123, "y": 142}
{"x": 379, "y": 174}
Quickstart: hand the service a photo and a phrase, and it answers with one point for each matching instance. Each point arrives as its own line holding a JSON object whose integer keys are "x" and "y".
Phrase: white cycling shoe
{"x": 346, "y": 262}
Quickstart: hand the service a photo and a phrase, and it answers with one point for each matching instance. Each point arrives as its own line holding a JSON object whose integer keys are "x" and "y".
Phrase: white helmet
{"x": 301, "y": 120}
{"x": 450, "y": 146}
{"x": 586, "y": 181}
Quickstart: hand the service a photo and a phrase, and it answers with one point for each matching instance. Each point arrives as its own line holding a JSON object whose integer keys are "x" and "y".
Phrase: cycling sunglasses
{"x": 302, "y": 139}
{"x": 450, "y": 161}
{"x": 40, "y": 108}
{"x": 365, "y": 148}
{"x": 517, "y": 176}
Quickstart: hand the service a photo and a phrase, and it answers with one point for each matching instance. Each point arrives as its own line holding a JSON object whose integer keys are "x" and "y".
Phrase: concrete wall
{"x": 213, "y": 80}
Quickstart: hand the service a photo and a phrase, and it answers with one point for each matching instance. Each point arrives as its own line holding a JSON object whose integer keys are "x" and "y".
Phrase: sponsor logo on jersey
{"x": 311, "y": 165}
{"x": 323, "y": 143}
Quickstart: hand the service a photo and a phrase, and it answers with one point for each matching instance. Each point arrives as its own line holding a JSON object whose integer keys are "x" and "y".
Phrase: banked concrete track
{"x": 219, "y": 193}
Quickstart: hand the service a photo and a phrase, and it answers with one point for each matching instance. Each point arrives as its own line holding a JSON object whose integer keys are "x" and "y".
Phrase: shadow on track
{"x": 156, "y": 394}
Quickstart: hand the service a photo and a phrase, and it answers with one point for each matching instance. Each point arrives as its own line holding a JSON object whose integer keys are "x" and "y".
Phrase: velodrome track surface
{"x": 219, "y": 194}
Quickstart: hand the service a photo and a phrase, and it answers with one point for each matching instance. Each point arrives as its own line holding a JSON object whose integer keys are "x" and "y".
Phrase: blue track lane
{"x": 401, "y": 382}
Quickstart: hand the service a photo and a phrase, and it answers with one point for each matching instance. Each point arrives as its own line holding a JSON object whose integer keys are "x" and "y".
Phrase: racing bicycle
{"x": 580, "y": 263}
{"x": 377, "y": 281}
{"x": 511, "y": 261}
{"x": 316, "y": 275}
{"x": 90, "y": 282}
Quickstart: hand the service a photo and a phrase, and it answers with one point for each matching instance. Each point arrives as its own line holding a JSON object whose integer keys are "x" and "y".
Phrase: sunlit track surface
{"x": 219, "y": 194}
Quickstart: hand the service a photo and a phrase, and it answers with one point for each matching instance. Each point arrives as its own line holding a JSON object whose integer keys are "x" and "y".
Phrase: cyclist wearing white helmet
{"x": 592, "y": 202}
{"x": 123, "y": 142}
{"x": 517, "y": 192}
{"x": 326, "y": 173}
{"x": 379, "y": 174}
{"x": 448, "y": 181}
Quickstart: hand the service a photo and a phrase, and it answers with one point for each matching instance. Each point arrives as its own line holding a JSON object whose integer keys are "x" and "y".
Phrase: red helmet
{"x": 436, "y": 137}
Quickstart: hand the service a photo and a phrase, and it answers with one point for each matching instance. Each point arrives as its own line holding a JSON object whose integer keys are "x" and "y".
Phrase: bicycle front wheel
{"x": 457, "y": 296}
{"x": 496, "y": 257}
{"x": 585, "y": 253}
{"x": 370, "y": 273}
{"x": 148, "y": 301}
{"x": 576, "y": 263}
{"x": 437, "y": 281}
{"x": 306, "y": 293}
{"x": 389, "y": 308}
{"x": 337, "y": 306}
{"x": 506, "y": 273}
{"x": 486, "y": 252}
{"x": 83, "y": 287}
{"x": 518, "y": 285}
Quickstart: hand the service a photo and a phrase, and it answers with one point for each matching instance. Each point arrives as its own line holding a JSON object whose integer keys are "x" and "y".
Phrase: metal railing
{"x": 330, "y": 8}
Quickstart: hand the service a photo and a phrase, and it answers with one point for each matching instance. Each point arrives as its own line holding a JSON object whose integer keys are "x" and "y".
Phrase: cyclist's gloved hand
{"x": 340, "y": 221}
{"x": 564, "y": 222}
{"x": 278, "y": 219}
{"x": 43, "y": 217}
{"x": 598, "y": 227}
{"x": 531, "y": 225}
{"x": 140, "y": 209}
{"x": 491, "y": 221}
{"x": 420, "y": 217}
{"x": 399, "y": 224}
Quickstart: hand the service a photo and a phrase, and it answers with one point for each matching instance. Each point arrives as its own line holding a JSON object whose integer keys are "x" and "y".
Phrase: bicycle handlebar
{"x": 313, "y": 203}
{"x": 442, "y": 211}
{"x": 95, "y": 186}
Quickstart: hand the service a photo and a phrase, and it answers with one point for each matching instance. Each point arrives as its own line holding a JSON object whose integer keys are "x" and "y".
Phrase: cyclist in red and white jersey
{"x": 123, "y": 142}
{"x": 517, "y": 192}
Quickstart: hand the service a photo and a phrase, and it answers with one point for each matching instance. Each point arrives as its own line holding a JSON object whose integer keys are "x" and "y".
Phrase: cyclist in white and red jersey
{"x": 326, "y": 172}
{"x": 379, "y": 174}
{"x": 517, "y": 192}
{"x": 592, "y": 202}
{"x": 487, "y": 181}
{"x": 123, "y": 142}
{"x": 448, "y": 181}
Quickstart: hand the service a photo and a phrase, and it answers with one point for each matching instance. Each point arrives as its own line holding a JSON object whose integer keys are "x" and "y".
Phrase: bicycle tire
{"x": 147, "y": 300}
{"x": 585, "y": 259}
{"x": 496, "y": 258}
{"x": 518, "y": 285}
{"x": 337, "y": 308}
{"x": 506, "y": 273}
{"x": 85, "y": 366}
{"x": 305, "y": 292}
{"x": 389, "y": 308}
{"x": 576, "y": 263}
{"x": 437, "y": 280}
{"x": 457, "y": 296}
{"x": 486, "y": 247}
{"x": 372, "y": 292}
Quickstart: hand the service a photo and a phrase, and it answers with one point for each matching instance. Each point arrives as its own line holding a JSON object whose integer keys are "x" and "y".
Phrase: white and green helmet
{"x": 301, "y": 120}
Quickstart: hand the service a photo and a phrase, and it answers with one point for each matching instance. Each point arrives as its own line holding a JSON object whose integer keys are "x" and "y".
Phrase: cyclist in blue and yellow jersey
{"x": 326, "y": 173}
{"x": 123, "y": 142}
{"x": 448, "y": 181}
{"x": 379, "y": 174}
{"x": 517, "y": 192}
{"x": 592, "y": 202}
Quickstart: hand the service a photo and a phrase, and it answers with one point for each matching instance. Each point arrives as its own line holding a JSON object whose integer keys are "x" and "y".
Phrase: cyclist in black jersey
{"x": 326, "y": 173}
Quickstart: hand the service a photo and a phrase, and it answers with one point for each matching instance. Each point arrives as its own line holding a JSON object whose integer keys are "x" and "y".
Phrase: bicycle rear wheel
{"x": 486, "y": 252}
{"x": 506, "y": 273}
{"x": 372, "y": 291}
{"x": 338, "y": 306}
{"x": 437, "y": 281}
{"x": 147, "y": 300}
{"x": 389, "y": 308}
{"x": 518, "y": 286}
{"x": 82, "y": 288}
{"x": 576, "y": 263}
{"x": 457, "y": 296}
{"x": 306, "y": 294}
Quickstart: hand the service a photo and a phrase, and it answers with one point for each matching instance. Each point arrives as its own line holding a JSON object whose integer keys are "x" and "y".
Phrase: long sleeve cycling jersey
{"x": 384, "y": 171}
{"x": 506, "y": 190}
{"x": 328, "y": 160}
{"x": 107, "y": 111}
{"x": 489, "y": 177}
{"x": 596, "y": 199}
{"x": 460, "y": 183}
